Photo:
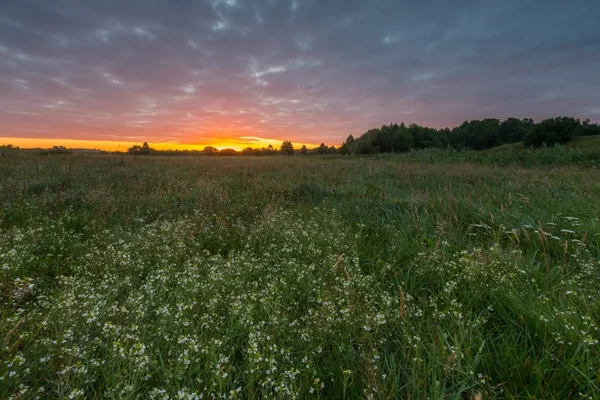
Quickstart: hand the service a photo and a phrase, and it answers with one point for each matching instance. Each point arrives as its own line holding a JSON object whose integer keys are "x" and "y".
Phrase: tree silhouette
{"x": 135, "y": 149}
{"x": 210, "y": 151}
{"x": 287, "y": 148}
{"x": 322, "y": 149}
{"x": 146, "y": 150}
{"x": 552, "y": 131}
{"x": 228, "y": 152}
{"x": 271, "y": 151}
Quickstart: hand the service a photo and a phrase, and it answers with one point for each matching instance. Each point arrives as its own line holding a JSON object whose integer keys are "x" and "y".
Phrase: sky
{"x": 238, "y": 73}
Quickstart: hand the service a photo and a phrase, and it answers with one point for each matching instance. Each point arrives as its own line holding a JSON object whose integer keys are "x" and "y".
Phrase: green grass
{"x": 434, "y": 274}
{"x": 584, "y": 143}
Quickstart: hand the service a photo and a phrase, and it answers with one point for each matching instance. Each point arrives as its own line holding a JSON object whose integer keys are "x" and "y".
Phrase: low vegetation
{"x": 433, "y": 274}
{"x": 472, "y": 135}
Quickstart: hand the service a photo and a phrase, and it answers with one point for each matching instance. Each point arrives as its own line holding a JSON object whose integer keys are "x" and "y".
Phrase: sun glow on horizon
{"x": 107, "y": 145}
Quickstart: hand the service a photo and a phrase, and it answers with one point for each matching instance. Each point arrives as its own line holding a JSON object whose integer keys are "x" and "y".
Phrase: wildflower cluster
{"x": 155, "y": 312}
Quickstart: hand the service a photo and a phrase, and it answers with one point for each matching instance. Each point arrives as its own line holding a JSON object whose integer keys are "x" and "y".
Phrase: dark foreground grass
{"x": 426, "y": 275}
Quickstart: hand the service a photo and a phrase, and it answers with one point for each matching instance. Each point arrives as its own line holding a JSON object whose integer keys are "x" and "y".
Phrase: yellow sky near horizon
{"x": 222, "y": 143}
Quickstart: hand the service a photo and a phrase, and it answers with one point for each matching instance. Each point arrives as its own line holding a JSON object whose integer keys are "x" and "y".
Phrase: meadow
{"x": 433, "y": 274}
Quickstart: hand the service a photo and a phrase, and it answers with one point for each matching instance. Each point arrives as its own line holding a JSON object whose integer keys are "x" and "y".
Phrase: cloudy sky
{"x": 237, "y": 72}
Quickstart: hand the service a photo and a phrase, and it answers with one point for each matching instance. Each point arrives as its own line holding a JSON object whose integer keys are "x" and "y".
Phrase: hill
{"x": 583, "y": 143}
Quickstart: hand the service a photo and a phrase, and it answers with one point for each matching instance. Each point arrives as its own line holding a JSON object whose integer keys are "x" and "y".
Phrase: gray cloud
{"x": 302, "y": 69}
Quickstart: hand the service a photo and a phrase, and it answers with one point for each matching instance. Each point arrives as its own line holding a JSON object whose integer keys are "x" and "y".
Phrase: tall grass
{"x": 434, "y": 274}
{"x": 557, "y": 155}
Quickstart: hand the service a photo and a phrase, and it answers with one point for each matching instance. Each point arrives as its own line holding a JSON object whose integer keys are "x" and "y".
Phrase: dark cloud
{"x": 309, "y": 70}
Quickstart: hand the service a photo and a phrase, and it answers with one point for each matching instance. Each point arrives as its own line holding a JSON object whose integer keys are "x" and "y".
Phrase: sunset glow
{"x": 232, "y": 73}
{"x": 222, "y": 143}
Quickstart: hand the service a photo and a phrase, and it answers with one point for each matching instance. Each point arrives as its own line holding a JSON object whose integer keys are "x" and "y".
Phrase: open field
{"x": 426, "y": 275}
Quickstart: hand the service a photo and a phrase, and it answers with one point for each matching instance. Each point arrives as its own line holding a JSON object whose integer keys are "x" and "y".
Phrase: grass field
{"x": 428, "y": 275}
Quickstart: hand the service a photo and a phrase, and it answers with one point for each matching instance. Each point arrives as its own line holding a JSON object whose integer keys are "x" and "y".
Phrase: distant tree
{"x": 364, "y": 147}
{"x": 402, "y": 139}
{"x": 487, "y": 134}
{"x": 383, "y": 140}
{"x": 348, "y": 146}
{"x": 303, "y": 150}
{"x": 249, "y": 151}
{"x": 322, "y": 149}
{"x": 228, "y": 152}
{"x": 419, "y": 136}
{"x": 444, "y": 137}
{"x": 587, "y": 129}
{"x": 514, "y": 130}
{"x": 210, "y": 151}
{"x": 476, "y": 135}
{"x": 135, "y": 149}
{"x": 552, "y": 131}
{"x": 271, "y": 151}
{"x": 144, "y": 149}
{"x": 59, "y": 150}
{"x": 287, "y": 148}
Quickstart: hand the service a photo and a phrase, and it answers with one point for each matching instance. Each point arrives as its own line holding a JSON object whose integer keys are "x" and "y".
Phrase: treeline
{"x": 6, "y": 149}
{"x": 396, "y": 138}
{"x": 473, "y": 135}
{"x": 286, "y": 148}
{"x": 9, "y": 149}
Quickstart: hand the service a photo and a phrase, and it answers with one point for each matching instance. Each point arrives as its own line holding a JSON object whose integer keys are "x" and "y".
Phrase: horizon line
{"x": 237, "y": 144}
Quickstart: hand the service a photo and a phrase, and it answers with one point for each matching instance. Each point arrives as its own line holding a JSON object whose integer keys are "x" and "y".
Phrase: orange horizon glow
{"x": 237, "y": 144}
